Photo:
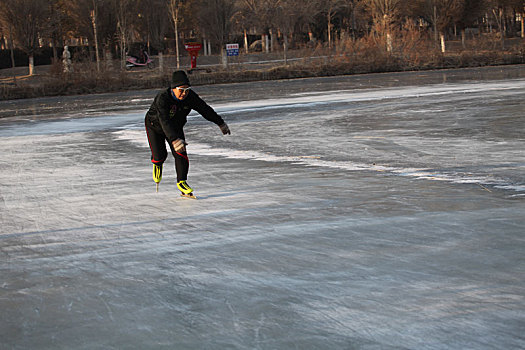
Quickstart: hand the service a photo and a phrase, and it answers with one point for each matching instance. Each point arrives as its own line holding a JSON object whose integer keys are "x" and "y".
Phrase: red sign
{"x": 193, "y": 50}
{"x": 193, "y": 47}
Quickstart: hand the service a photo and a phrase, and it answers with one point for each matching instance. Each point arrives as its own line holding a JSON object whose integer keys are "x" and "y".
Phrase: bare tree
{"x": 27, "y": 23}
{"x": 125, "y": 12}
{"x": 153, "y": 23}
{"x": 8, "y": 29}
{"x": 385, "y": 13}
{"x": 180, "y": 15}
{"x": 442, "y": 14}
{"x": 330, "y": 8}
{"x": 354, "y": 18}
{"x": 91, "y": 19}
{"x": 260, "y": 14}
{"x": 55, "y": 23}
{"x": 250, "y": 16}
{"x": 284, "y": 20}
{"x": 472, "y": 12}
{"x": 174, "y": 7}
{"x": 94, "y": 16}
{"x": 288, "y": 17}
{"x": 216, "y": 19}
{"x": 500, "y": 10}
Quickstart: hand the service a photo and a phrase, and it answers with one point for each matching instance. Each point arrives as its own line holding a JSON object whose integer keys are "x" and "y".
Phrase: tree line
{"x": 112, "y": 25}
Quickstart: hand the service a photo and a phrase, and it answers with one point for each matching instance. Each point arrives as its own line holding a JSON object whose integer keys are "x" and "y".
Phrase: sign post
{"x": 231, "y": 50}
{"x": 193, "y": 49}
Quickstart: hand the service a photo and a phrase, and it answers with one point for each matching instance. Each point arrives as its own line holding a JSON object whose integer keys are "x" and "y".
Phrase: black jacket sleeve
{"x": 204, "y": 109}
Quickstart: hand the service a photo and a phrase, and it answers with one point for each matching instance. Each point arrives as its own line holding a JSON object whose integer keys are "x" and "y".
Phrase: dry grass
{"x": 411, "y": 50}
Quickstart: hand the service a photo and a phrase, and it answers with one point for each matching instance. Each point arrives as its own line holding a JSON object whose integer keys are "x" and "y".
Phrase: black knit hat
{"x": 179, "y": 78}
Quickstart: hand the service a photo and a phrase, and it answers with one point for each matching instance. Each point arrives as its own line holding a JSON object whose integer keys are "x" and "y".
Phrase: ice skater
{"x": 165, "y": 120}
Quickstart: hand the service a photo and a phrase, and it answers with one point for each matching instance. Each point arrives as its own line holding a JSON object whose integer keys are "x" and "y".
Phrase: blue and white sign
{"x": 232, "y": 49}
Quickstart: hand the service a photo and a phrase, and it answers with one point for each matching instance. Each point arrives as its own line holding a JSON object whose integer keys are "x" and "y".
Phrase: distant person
{"x": 165, "y": 121}
{"x": 66, "y": 59}
{"x": 143, "y": 55}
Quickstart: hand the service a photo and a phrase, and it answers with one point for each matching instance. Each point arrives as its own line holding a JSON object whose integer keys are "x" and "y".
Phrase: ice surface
{"x": 364, "y": 212}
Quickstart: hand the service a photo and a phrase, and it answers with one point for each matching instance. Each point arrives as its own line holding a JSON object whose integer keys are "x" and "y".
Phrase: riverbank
{"x": 86, "y": 78}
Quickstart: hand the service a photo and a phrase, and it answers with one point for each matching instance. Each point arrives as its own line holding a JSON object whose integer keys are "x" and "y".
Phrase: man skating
{"x": 165, "y": 120}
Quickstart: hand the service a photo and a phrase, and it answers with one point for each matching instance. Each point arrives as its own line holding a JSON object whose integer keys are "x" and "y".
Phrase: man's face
{"x": 181, "y": 92}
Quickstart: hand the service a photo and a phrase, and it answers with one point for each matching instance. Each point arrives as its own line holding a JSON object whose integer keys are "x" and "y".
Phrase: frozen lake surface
{"x": 380, "y": 211}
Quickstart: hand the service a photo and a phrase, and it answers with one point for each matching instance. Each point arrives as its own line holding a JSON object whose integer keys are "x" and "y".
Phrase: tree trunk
{"x": 389, "y": 45}
{"x": 499, "y": 19}
{"x": 245, "y": 42}
{"x": 354, "y": 24}
{"x": 123, "y": 51}
{"x": 174, "y": 12}
{"x": 94, "y": 23}
{"x": 434, "y": 19}
{"x": 329, "y": 30}
{"x": 177, "y": 38}
{"x": 265, "y": 43}
{"x": 31, "y": 64}
{"x": 285, "y": 48}
{"x": 442, "y": 39}
{"x": 12, "y": 57}
{"x": 224, "y": 58}
{"x": 54, "y": 47}
{"x": 272, "y": 40}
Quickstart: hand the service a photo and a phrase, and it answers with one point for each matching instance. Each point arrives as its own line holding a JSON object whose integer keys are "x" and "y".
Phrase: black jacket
{"x": 167, "y": 114}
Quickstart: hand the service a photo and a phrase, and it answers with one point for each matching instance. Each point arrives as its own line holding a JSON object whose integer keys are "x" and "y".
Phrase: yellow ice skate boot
{"x": 186, "y": 190}
{"x": 157, "y": 174}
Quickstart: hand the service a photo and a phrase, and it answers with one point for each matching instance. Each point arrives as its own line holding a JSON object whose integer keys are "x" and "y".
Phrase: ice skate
{"x": 157, "y": 175}
{"x": 185, "y": 189}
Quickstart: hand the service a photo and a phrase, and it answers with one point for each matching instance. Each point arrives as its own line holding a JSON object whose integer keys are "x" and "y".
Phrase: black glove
{"x": 225, "y": 129}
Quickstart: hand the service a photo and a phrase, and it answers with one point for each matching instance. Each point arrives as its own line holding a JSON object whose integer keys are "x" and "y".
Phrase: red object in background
{"x": 193, "y": 49}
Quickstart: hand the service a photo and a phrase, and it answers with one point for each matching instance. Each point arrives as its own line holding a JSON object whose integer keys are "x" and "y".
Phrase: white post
{"x": 31, "y": 64}
{"x": 161, "y": 62}
{"x": 224, "y": 58}
{"x": 389, "y": 46}
{"x": 245, "y": 41}
{"x": 272, "y": 40}
{"x": 523, "y": 23}
{"x": 442, "y": 37}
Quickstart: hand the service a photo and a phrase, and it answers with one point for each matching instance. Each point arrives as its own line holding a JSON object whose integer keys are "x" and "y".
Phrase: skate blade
{"x": 189, "y": 196}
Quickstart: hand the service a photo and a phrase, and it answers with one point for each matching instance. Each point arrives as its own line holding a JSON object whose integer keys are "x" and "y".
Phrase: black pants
{"x": 157, "y": 144}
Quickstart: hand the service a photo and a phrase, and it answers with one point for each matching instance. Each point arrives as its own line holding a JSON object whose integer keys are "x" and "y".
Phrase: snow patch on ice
{"x": 139, "y": 137}
{"x": 327, "y": 97}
